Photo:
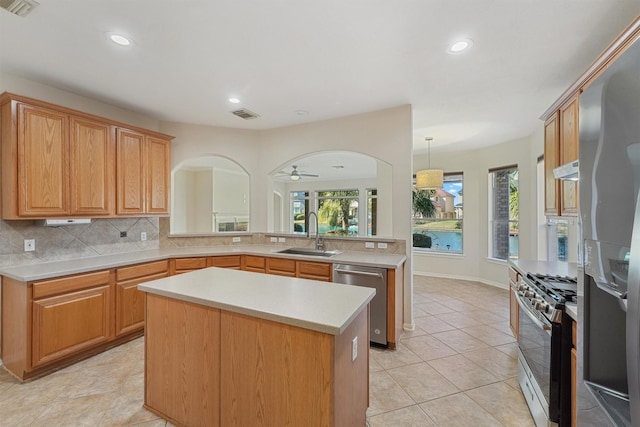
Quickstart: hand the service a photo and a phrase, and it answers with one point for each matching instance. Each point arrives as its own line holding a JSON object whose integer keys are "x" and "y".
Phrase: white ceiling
{"x": 329, "y": 58}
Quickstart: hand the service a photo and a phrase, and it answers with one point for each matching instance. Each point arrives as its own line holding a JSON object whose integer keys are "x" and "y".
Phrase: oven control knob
{"x": 522, "y": 287}
{"x": 542, "y": 306}
{"x": 529, "y": 294}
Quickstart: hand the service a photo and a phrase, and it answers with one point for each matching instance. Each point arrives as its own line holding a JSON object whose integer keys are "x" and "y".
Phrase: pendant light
{"x": 429, "y": 179}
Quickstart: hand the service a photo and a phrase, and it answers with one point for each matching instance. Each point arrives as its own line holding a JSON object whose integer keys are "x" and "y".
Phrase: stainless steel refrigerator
{"x": 609, "y": 291}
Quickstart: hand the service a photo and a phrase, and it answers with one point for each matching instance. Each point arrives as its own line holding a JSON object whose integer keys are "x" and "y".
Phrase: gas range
{"x": 548, "y": 294}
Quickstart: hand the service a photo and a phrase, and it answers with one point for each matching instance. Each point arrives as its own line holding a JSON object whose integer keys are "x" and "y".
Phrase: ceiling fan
{"x": 295, "y": 175}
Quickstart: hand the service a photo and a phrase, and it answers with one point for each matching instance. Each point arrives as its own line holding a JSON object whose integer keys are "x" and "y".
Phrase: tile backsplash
{"x": 100, "y": 237}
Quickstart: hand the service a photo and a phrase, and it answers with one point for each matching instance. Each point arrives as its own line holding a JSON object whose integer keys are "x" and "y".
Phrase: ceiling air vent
{"x": 245, "y": 114}
{"x": 19, "y": 7}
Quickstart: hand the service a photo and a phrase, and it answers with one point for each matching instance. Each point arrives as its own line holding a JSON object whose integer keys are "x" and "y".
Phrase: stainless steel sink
{"x": 309, "y": 251}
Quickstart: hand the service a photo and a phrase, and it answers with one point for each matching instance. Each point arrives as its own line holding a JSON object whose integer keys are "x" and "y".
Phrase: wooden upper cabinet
{"x": 92, "y": 183}
{"x": 551, "y": 161}
{"x": 143, "y": 164}
{"x": 58, "y": 162}
{"x": 158, "y": 159}
{"x": 561, "y": 142}
{"x": 42, "y": 172}
{"x": 130, "y": 155}
{"x": 569, "y": 143}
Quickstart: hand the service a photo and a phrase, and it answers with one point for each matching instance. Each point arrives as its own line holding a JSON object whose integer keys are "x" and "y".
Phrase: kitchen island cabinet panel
{"x": 281, "y": 372}
{"x": 187, "y": 392}
{"x": 69, "y": 323}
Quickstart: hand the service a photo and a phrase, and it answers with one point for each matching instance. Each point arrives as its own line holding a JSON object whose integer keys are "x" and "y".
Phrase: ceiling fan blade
{"x": 309, "y": 174}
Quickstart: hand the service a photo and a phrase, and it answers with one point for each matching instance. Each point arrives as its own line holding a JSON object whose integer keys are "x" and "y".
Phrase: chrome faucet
{"x": 319, "y": 242}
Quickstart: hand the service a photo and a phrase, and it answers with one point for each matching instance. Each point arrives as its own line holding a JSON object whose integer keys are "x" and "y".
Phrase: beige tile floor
{"x": 458, "y": 368}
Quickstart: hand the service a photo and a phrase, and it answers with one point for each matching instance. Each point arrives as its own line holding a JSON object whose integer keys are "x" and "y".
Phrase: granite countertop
{"x": 320, "y": 306}
{"x": 552, "y": 268}
{"x": 31, "y": 272}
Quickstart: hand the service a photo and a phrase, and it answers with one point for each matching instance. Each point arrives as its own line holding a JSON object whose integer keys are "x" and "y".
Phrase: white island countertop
{"x": 46, "y": 270}
{"x": 319, "y": 306}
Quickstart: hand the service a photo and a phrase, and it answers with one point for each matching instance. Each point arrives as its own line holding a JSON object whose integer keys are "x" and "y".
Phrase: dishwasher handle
{"x": 357, "y": 272}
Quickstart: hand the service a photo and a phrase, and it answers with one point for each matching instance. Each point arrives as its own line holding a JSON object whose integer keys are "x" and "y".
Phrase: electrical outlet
{"x": 281, "y": 240}
{"x": 29, "y": 245}
{"x": 143, "y": 236}
{"x": 369, "y": 245}
{"x": 274, "y": 239}
{"x": 354, "y": 349}
{"x": 382, "y": 245}
{"x": 236, "y": 240}
{"x": 123, "y": 234}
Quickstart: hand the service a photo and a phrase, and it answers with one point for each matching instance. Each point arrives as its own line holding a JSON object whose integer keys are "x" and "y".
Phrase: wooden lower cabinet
{"x": 514, "y": 308}
{"x": 206, "y": 366}
{"x": 69, "y": 323}
{"x": 129, "y": 300}
{"x": 254, "y": 263}
{"x": 225, "y": 261}
{"x": 315, "y": 270}
{"x": 49, "y": 324}
{"x": 185, "y": 265}
{"x": 281, "y": 266}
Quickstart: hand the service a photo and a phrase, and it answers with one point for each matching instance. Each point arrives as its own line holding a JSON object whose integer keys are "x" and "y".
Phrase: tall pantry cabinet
{"x": 58, "y": 162}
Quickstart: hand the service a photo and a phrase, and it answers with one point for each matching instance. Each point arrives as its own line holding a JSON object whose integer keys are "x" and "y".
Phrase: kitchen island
{"x": 235, "y": 348}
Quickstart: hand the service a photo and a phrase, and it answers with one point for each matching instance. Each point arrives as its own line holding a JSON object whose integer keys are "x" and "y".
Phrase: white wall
{"x": 474, "y": 263}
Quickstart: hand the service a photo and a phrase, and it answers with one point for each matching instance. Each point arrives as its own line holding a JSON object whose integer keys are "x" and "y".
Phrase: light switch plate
{"x": 236, "y": 240}
{"x": 382, "y": 245}
{"x": 143, "y": 236}
{"x": 369, "y": 245}
{"x": 281, "y": 239}
{"x": 274, "y": 239}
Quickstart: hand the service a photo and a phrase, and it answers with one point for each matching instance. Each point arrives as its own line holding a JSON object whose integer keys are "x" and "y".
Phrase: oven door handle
{"x": 533, "y": 318}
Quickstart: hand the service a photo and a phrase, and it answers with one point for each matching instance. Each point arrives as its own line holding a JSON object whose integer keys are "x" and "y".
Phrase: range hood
{"x": 567, "y": 172}
{"x": 65, "y": 221}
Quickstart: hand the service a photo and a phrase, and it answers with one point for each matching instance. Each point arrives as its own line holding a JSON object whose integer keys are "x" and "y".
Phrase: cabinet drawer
{"x": 514, "y": 275}
{"x": 190, "y": 263}
{"x": 230, "y": 261}
{"x": 47, "y": 288}
{"x": 314, "y": 270}
{"x": 281, "y": 266}
{"x": 147, "y": 269}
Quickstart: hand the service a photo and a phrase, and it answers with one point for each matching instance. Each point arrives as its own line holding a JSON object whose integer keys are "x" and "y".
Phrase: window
{"x": 338, "y": 212}
{"x": 372, "y": 212}
{"x": 299, "y": 209}
{"x": 503, "y": 213}
{"x": 438, "y": 217}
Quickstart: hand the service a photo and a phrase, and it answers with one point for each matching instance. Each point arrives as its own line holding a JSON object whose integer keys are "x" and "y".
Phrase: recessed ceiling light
{"x": 119, "y": 39}
{"x": 234, "y": 100}
{"x": 460, "y": 45}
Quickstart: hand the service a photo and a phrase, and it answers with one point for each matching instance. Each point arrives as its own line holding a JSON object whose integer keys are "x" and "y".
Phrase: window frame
{"x": 491, "y": 193}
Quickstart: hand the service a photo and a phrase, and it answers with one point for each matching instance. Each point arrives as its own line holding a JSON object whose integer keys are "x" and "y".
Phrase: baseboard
{"x": 467, "y": 278}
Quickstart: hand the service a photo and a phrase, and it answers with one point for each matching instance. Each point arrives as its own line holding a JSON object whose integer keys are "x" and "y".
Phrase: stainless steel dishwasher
{"x": 370, "y": 277}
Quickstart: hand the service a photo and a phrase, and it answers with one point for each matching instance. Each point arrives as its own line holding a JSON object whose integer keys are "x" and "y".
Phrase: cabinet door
{"x": 130, "y": 185}
{"x": 226, "y": 261}
{"x": 551, "y": 161}
{"x": 569, "y": 142}
{"x": 184, "y": 265}
{"x": 130, "y": 304}
{"x": 68, "y": 323}
{"x": 92, "y": 167}
{"x": 43, "y": 153}
{"x": 158, "y": 171}
{"x": 315, "y": 270}
{"x": 254, "y": 263}
{"x": 281, "y": 267}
